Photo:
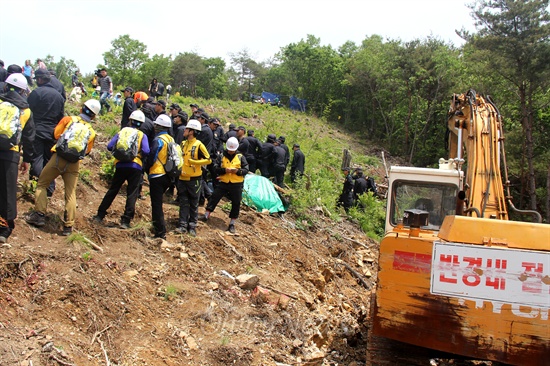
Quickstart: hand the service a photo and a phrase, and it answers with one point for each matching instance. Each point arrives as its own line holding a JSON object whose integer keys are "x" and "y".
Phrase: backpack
{"x": 174, "y": 159}
{"x": 371, "y": 185}
{"x": 126, "y": 149}
{"x": 10, "y": 126}
{"x": 72, "y": 143}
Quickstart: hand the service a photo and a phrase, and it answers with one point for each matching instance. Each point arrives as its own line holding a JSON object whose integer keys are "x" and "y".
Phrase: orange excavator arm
{"x": 476, "y": 132}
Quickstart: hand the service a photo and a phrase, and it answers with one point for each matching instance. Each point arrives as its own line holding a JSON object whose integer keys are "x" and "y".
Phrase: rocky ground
{"x": 119, "y": 297}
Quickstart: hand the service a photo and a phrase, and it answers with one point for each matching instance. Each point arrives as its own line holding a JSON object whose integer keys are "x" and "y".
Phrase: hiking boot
{"x": 182, "y": 229}
{"x": 203, "y": 218}
{"x": 124, "y": 225}
{"x": 231, "y": 228}
{"x": 67, "y": 230}
{"x": 3, "y": 239}
{"x": 192, "y": 232}
{"x": 97, "y": 219}
{"x": 36, "y": 218}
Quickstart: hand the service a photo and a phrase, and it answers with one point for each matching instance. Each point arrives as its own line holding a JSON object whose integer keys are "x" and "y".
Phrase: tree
{"x": 247, "y": 69}
{"x": 158, "y": 67}
{"x": 126, "y": 56}
{"x": 186, "y": 70}
{"x": 515, "y": 35}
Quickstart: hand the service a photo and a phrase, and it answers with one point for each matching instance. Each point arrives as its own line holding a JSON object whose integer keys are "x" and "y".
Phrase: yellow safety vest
{"x": 235, "y": 162}
{"x": 190, "y": 150}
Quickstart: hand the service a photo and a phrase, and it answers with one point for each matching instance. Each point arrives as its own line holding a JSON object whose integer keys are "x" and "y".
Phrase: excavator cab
{"x": 415, "y": 196}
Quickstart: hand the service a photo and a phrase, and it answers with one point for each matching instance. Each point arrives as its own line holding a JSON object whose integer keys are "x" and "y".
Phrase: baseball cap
{"x": 41, "y": 73}
{"x": 194, "y": 105}
{"x": 127, "y": 89}
{"x": 241, "y": 128}
{"x": 161, "y": 102}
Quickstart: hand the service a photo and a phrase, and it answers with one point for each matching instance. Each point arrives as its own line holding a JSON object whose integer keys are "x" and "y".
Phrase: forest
{"x": 390, "y": 93}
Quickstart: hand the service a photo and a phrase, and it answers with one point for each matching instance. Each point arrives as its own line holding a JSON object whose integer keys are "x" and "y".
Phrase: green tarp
{"x": 259, "y": 193}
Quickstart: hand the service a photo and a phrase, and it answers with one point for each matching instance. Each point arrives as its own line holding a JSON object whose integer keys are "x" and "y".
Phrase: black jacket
{"x": 268, "y": 152}
{"x": 178, "y": 131}
{"x": 279, "y": 157}
{"x": 244, "y": 146}
{"x": 58, "y": 86}
{"x": 360, "y": 186}
{"x": 28, "y": 133}
{"x": 255, "y": 146}
{"x": 206, "y": 137}
{"x": 127, "y": 109}
{"x": 47, "y": 107}
{"x": 298, "y": 162}
{"x": 228, "y": 134}
{"x": 148, "y": 129}
{"x": 287, "y": 153}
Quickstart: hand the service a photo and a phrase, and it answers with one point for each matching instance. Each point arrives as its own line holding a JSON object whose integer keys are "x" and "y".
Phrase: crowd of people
{"x": 355, "y": 185}
{"x": 188, "y": 153}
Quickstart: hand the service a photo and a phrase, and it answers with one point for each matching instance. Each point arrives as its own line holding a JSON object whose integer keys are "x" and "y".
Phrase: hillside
{"x": 134, "y": 300}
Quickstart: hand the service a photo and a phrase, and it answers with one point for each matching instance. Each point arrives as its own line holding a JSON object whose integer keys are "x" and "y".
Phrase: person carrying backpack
{"x": 159, "y": 170}
{"x": 16, "y": 129}
{"x": 231, "y": 168}
{"x": 75, "y": 139}
{"x": 195, "y": 155}
{"x": 129, "y": 146}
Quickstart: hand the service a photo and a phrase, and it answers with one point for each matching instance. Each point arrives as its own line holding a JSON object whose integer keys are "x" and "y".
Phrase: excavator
{"x": 456, "y": 275}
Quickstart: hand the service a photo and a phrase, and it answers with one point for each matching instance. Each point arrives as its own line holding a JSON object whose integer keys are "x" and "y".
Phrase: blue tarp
{"x": 270, "y": 97}
{"x": 298, "y": 104}
{"x": 259, "y": 192}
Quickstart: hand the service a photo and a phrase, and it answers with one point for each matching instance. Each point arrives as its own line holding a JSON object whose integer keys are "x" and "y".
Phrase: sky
{"x": 83, "y": 30}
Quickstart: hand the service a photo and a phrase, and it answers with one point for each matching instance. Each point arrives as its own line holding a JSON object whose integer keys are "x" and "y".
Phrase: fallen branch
{"x": 61, "y": 362}
{"x": 97, "y": 334}
{"x": 94, "y": 245}
{"x": 354, "y": 273}
{"x": 239, "y": 255}
{"x": 279, "y": 292}
{"x": 107, "y": 362}
{"x": 356, "y": 242}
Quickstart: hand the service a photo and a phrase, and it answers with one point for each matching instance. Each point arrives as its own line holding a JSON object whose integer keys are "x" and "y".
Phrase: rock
{"x": 166, "y": 245}
{"x": 319, "y": 282}
{"x": 130, "y": 274}
{"x": 191, "y": 343}
{"x": 247, "y": 281}
{"x": 213, "y": 286}
{"x": 297, "y": 343}
{"x": 184, "y": 255}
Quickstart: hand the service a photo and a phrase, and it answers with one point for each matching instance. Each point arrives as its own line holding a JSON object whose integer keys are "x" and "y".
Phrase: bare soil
{"x": 143, "y": 301}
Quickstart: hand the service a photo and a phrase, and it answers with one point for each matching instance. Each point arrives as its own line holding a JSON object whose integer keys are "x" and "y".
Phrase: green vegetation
{"x": 85, "y": 176}
{"x": 87, "y": 256}
{"x": 388, "y": 92}
{"x": 107, "y": 166}
{"x": 170, "y": 292}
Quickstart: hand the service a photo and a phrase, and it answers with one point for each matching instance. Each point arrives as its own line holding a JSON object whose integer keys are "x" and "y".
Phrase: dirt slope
{"x": 139, "y": 301}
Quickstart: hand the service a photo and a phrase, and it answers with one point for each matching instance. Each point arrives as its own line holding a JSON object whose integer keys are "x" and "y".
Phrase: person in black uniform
{"x": 255, "y": 150}
{"x": 359, "y": 187}
{"x": 298, "y": 163}
{"x": 268, "y": 154}
{"x": 282, "y": 140}
{"x": 47, "y": 106}
{"x": 346, "y": 197}
{"x": 128, "y": 107}
{"x": 277, "y": 168}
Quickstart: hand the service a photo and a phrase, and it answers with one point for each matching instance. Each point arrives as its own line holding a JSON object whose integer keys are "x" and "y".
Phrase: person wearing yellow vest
{"x": 231, "y": 168}
{"x": 158, "y": 180}
{"x": 195, "y": 155}
{"x": 126, "y": 170}
{"x": 68, "y": 170}
{"x": 14, "y": 95}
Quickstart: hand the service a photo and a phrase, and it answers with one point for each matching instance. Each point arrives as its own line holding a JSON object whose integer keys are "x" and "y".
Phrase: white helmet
{"x": 93, "y": 105}
{"x": 163, "y": 120}
{"x": 137, "y": 116}
{"x": 194, "y": 125}
{"x": 18, "y": 80}
{"x": 232, "y": 144}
